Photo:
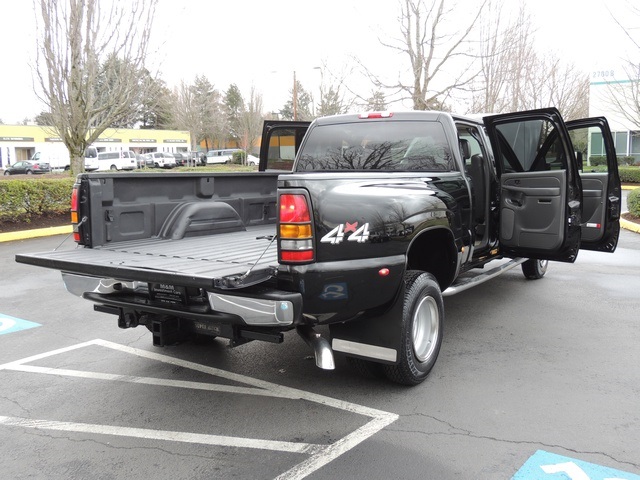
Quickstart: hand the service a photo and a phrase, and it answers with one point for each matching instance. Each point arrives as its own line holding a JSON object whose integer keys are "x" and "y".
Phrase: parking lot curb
{"x": 34, "y": 233}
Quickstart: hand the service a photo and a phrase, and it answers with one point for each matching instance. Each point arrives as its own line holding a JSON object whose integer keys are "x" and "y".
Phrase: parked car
{"x": 221, "y": 156}
{"x": 181, "y": 158}
{"x": 27, "y": 167}
{"x": 141, "y": 160}
{"x": 252, "y": 160}
{"x": 117, "y": 160}
{"x": 163, "y": 160}
{"x": 198, "y": 158}
{"x": 148, "y": 160}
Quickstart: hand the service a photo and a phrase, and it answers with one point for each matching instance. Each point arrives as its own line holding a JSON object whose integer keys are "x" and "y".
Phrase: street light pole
{"x": 295, "y": 97}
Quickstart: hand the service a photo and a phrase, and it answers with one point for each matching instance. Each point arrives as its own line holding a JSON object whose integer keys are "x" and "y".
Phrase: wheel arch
{"x": 434, "y": 251}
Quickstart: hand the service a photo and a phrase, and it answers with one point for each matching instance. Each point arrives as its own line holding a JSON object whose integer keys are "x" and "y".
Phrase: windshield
{"x": 394, "y": 146}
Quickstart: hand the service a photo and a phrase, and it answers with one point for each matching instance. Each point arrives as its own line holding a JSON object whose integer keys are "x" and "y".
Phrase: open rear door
{"x": 540, "y": 191}
{"x": 601, "y": 196}
{"x": 280, "y": 143}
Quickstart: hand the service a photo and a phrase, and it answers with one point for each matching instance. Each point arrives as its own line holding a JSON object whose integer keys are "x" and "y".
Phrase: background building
{"x": 21, "y": 142}
{"x": 611, "y": 94}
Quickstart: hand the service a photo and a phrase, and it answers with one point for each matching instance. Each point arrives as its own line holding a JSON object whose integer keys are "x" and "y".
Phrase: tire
{"x": 534, "y": 269}
{"x": 422, "y": 329}
{"x": 113, "y": 167}
{"x": 156, "y": 165}
{"x": 29, "y": 172}
{"x": 7, "y": 172}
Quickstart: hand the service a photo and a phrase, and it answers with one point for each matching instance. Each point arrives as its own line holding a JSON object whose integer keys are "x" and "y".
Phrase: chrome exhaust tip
{"x": 321, "y": 347}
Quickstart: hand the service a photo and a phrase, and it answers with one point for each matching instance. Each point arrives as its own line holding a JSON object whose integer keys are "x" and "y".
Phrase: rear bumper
{"x": 257, "y": 306}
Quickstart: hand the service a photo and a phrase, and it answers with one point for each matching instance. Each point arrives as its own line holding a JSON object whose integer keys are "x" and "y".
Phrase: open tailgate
{"x": 228, "y": 260}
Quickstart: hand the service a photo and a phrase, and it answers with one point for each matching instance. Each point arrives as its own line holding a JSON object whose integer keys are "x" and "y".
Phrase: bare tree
{"x": 514, "y": 76}
{"x": 250, "y": 122}
{"x": 186, "y": 115}
{"x": 333, "y": 92}
{"x": 506, "y": 56}
{"x": 87, "y": 65}
{"x": 625, "y": 94}
{"x": 430, "y": 50}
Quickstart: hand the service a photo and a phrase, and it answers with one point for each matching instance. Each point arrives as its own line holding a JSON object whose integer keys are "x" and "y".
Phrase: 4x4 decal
{"x": 356, "y": 234}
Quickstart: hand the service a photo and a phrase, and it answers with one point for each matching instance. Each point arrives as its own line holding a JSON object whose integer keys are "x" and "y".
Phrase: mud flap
{"x": 376, "y": 338}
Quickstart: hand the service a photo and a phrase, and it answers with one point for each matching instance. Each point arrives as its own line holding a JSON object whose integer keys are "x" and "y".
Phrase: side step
{"x": 469, "y": 280}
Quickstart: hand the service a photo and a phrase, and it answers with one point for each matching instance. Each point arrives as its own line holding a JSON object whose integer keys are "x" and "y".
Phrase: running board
{"x": 471, "y": 281}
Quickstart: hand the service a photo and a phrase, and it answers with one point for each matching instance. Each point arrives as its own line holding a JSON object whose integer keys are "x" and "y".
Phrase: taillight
{"x": 295, "y": 234}
{"x": 74, "y": 213}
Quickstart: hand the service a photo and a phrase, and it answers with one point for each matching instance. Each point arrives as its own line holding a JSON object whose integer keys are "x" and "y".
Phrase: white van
{"x": 124, "y": 160}
{"x": 221, "y": 156}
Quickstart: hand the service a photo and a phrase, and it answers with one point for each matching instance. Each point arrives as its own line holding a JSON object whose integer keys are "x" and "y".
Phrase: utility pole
{"x": 295, "y": 97}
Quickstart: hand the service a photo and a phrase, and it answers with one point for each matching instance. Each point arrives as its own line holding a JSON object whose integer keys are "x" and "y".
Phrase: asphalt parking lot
{"x": 535, "y": 380}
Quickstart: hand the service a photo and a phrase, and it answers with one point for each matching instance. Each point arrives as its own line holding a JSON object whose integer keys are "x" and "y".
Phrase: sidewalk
{"x": 67, "y": 229}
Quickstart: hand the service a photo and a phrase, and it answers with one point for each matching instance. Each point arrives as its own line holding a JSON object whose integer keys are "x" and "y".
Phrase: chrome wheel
{"x": 426, "y": 324}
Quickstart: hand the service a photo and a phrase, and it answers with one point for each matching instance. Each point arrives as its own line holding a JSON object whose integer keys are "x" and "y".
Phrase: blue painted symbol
{"x": 549, "y": 466}
{"x": 335, "y": 291}
{"x": 10, "y": 324}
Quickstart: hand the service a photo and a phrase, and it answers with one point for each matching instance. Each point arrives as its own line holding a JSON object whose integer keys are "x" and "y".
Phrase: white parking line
{"x": 186, "y": 437}
{"x": 320, "y": 455}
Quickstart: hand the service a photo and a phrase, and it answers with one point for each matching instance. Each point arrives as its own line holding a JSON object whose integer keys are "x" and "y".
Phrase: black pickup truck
{"x": 360, "y": 222}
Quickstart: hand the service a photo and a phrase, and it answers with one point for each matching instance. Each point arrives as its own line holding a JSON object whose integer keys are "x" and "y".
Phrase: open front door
{"x": 280, "y": 143}
{"x": 540, "y": 192}
{"x": 601, "y": 198}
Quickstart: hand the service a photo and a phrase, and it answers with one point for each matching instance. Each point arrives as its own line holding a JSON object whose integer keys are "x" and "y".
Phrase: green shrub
{"x": 597, "y": 160}
{"x": 238, "y": 158}
{"x": 24, "y": 199}
{"x": 626, "y": 161}
{"x": 633, "y": 202}
{"x": 629, "y": 174}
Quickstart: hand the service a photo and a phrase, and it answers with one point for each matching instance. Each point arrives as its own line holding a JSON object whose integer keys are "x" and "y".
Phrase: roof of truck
{"x": 429, "y": 115}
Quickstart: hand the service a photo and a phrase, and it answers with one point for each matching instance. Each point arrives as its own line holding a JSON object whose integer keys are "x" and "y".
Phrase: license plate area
{"x": 167, "y": 293}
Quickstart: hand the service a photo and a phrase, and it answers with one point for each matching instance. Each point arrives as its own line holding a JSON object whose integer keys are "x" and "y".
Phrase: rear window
{"x": 393, "y": 146}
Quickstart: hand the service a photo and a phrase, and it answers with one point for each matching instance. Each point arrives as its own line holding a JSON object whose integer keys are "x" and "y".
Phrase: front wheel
{"x": 534, "y": 269}
{"x": 422, "y": 329}
{"x": 7, "y": 172}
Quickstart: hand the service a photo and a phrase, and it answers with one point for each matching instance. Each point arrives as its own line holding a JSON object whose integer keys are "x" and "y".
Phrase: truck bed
{"x": 211, "y": 261}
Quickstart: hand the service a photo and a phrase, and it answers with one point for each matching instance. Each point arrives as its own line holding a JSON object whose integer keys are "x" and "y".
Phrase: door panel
{"x": 532, "y": 212}
{"x": 594, "y": 188}
{"x": 540, "y": 189}
{"x": 601, "y": 195}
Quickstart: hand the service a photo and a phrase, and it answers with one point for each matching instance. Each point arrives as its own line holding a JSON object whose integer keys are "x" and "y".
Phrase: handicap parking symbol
{"x": 549, "y": 466}
{"x": 10, "y": 324}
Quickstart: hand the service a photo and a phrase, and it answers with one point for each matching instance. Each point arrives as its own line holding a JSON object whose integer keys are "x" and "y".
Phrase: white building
{"x": 21, "y": 142}
{"x": 610, "y": 93}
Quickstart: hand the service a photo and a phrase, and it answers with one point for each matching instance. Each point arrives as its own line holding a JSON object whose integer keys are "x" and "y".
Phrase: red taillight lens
{"x": 74, "y": 213}
{"x": 295, "y": 232}
{"x": 293, "y": 209}
{"x": 303, "y": 256}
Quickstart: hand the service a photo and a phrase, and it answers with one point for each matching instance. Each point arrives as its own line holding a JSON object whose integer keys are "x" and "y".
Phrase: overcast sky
{"x": 261, "y": 43}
